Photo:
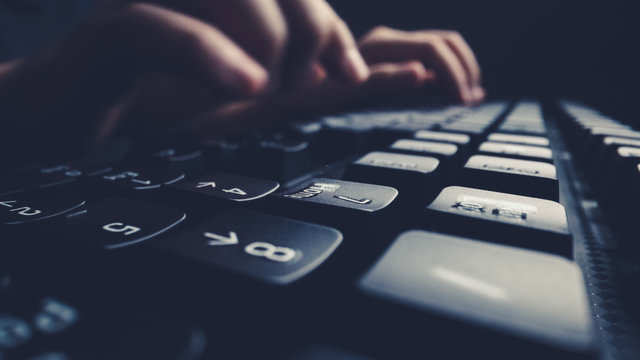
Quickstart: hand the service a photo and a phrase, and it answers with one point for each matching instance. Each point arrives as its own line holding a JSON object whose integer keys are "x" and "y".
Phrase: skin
{"x": 217, "y": 67}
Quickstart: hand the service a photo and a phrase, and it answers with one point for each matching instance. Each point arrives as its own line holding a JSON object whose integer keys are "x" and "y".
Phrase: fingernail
{"x": 354, "y": 67}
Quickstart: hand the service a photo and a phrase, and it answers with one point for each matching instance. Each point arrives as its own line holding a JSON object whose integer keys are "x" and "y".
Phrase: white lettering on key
{"x": 222, "y": 240}
{"x": 26, "y": 211}
{"x": 362, "y": 201}
{"x": 270, "y": 251}
{"x": 235, "y": 191}
{"x": 120, "y": 227}
{"x": 205, "y": 184}
{"x": 7, "y": 203}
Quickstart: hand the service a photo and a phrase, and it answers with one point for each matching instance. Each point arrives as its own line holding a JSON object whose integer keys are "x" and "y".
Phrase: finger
{"x": 315, "y": 30}
{"x": 155, "y": 34}
{"x": 385, "y": 79}
{"x": 343, "y": 57}
{"x": 392, "y": 45}
{"x": 465, "y": 54}
{"x": 257, "y": 26}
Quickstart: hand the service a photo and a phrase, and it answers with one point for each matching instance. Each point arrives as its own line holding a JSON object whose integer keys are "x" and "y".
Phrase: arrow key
{"x": 270, "y": 248}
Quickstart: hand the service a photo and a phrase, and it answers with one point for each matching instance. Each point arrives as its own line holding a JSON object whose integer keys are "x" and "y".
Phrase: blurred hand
{"x": 228, "y": 49}
{"x": 400, "y": 63}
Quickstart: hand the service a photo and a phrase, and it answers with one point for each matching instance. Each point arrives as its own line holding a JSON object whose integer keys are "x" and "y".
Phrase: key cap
{"x": 447, "y": 153}
{"x": 226, "y": 186}
{"x": 135, "y": 178}
{"x": 454, "y": 138}
{"x": 524, "y": 152}
{"x": 415, "y": 175}
{"x": 519, "y": 139}
{"x": 220, "y": 154}
{"x": 342, "y": 194}
{"x": 266, "y": 247}
{"x": 188, "y": 160}
{"x": 118, "y": 222}
{"x": 22, "y": 210}
{"x": 613, "y": 184}
{"x": 483, "y": 298}
{"x": 352, "y": 135}
{"x": 503, "y": 218}
{"x": 275, "y": 157}
{"x": 520, "y": 177}
{"x": 66, "y": 173}
{"x": 357, "y": 209}
{"x": 50, "y": 176}
{"x": 595, "y": 161}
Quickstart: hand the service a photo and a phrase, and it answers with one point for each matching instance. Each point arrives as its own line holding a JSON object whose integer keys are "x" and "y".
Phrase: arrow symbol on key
{"x": 205, "y": 184}
{"x": 222, "y": 240}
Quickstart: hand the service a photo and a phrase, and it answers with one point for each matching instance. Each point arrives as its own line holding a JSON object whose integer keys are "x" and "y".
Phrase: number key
{"x": 270, "y": 248}
{"x": 118, "y": 222}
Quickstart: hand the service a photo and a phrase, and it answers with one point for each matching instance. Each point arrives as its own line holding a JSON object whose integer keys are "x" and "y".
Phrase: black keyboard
{"x": 506, "y": 230}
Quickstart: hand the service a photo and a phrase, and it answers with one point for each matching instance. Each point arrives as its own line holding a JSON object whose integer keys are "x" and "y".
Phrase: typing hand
{"x": 400, "y": 62}
{"x": 77, "y": 88}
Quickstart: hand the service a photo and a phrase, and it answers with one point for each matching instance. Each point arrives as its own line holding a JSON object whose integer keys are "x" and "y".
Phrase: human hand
{"x": 400, "y": 63}
{"x": 230, "y": 49}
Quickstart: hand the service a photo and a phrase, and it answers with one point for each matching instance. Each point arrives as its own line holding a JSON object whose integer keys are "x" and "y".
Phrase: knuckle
{"x": 380, "y": 31}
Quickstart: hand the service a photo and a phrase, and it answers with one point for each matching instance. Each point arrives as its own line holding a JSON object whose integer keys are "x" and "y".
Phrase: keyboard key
{"x": 275, "y": 157}
{"x": 118, "y": 222}
{"x": 135, "y": 178}
{"x": 221, "y": 185}
{"x": 446, "y": 153}
{"x": 413, "y": 174}
{"x": 503, "y": 218}
{"x": 352, "y": 135}
{"x": 342, "y": 194}
{"x": 270, "y": 248}
{"x": 519, "y": 139}
{"x": 182, "y": 159}
{"x": 20, "y": 210}
{"x": 50, "y": 176}
{"x": 220, "y": 154}
{"x": 524, "y": 152}
{"x": 454, "y": 138}
{"x": 478, "y": 286}
{"x": 356, "y": 209}
{"x": 520, "y": 177}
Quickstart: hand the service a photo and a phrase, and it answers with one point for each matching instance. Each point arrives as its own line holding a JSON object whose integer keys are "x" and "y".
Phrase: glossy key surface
{"x": 514, "y": 176}
{"x": 119, "y": 222}
{"x": 519, "y": 293}
{"x": 270, "y": 248}
{"x": 504, "y": 218}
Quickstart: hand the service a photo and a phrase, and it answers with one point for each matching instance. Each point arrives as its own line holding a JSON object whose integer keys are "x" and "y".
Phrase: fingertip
{"x": 416, "y": 71}
{"x": 354, "y": 68}
{"x": 250, "y": 79}
{"x": 479, "y": 93}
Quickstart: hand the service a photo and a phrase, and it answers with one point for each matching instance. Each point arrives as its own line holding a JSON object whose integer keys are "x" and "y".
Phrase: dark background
{"x": 586, "y": 50}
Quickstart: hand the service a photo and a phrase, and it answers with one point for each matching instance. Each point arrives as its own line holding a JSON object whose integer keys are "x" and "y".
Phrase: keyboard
{"x": 505, "y": 230}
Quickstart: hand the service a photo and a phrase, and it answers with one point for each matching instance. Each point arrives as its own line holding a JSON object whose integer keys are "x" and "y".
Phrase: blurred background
{"x": 582, "y": 49}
